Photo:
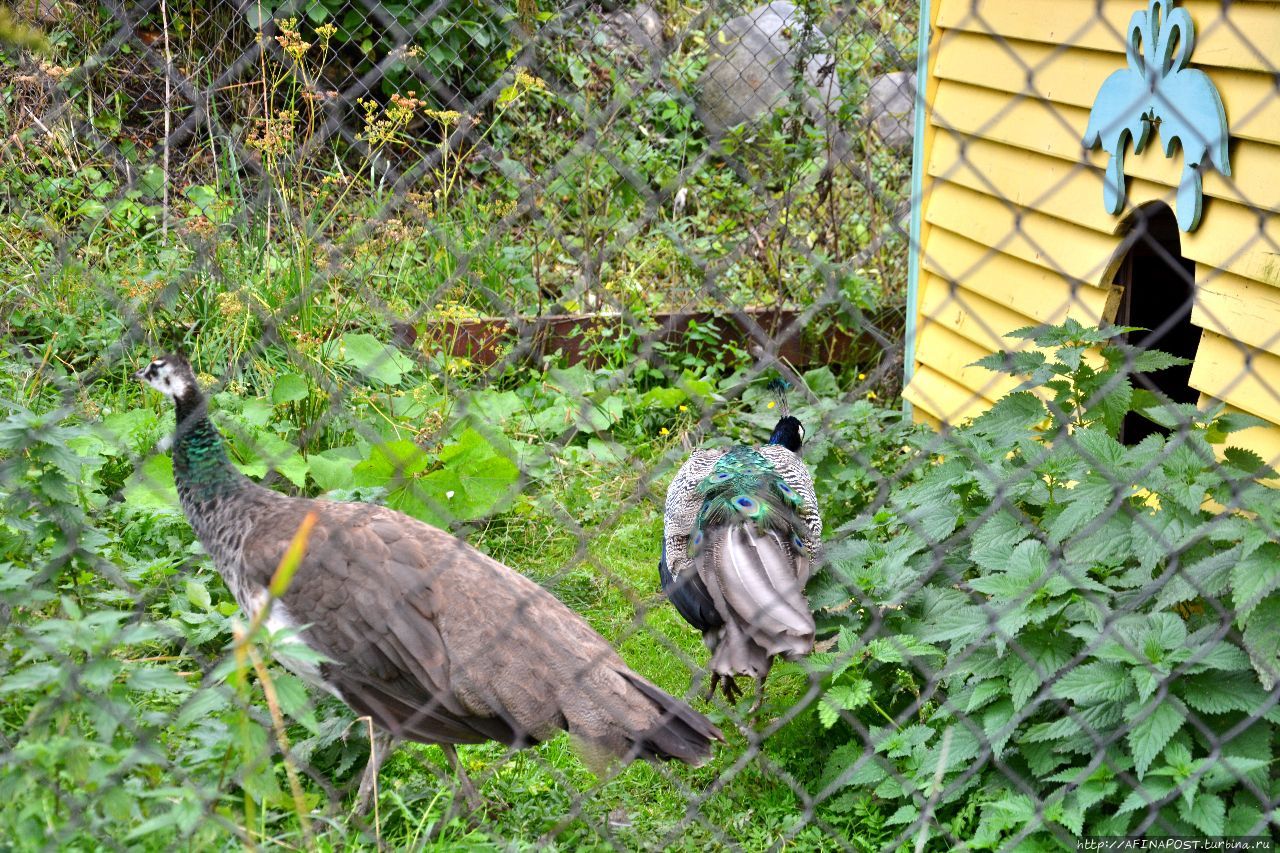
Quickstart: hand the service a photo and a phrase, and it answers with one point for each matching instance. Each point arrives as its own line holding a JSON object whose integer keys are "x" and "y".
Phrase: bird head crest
{"x": 778, "y": 387}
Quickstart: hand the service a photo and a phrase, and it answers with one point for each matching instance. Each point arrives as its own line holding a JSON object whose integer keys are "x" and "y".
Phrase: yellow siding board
{"x": 1033, "y": 291}
{"x": 979, "y": 320}
{"x": 954, "y": 356}
{"x": 1230, "y": 237}
{"x": 1069, "y": 250}
{"x": 946, "y": 401}
{"x": 1072, "y": 76}
{"x": 1238, "y": 374}
{"x": 1237, "y": 240}
{"x": 1262, "y": 440}
{"x": 1238, "y": 308}
{"x": 1232, "y": 35}
{"x": 1070, "y": 191}
{"x": 1055, "y": 129}
{"x": 920, "y": 416}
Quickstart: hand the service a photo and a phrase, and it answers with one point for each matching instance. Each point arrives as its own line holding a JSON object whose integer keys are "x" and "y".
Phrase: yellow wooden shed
{"x": 1016, "y": 222}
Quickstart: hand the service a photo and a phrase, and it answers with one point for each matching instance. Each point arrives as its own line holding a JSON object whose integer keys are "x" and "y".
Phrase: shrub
{"x": 1049, "y": 633}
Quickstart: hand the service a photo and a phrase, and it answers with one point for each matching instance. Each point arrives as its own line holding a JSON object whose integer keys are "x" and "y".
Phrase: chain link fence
{"x": 502, "y": 269}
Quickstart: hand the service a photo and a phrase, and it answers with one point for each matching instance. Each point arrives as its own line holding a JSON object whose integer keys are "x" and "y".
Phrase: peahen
{"x": 741, "y": 531}
{"x": 433, "y": 640}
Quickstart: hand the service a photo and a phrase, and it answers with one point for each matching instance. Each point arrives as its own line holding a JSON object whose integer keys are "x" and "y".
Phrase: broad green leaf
{"x": 495, "y": 407}
{"x": 574, "y": 382}
{"x": 198, "y": 594}
{"x": 1152, "y": 360}
{"x": 984, "y": 692}
{"x": 1011, "y": 419}
{"x": 265, "y": 451}
{"x": 1100, "y": 451}
{"x": 334, "y": 468}
{"x": 843, "y": 697}
{"x": 1021, "y": 363}
{"x": 150, "y": 488}
{"x": 851, "y": 765}
{"x": 391, "y": 460}
{"x": 1151, "y": 790}
{"x": 34, "y": 677}
{"x": 1090, "y": 683}
{"x": 1206, "y": 577}
{"x": 1148, "y": 736}
{"x": 1207, "y": 813}
{"x": 1230, "y": 422}
{"x": 993, "y": 542}
{"x": 1247, "y": 461}
{"x": 1082, "y": 504}
{"x": 150, "y": 678}
{"x": 1254, "y": 578}
{"x": 378, "y": 362}
{"x": 1063, "y": 727}
{"x": 822, "y": 381}
{"x": 201, "y": 704}
{"x": 1262, "y": 640}
{"x": 904, "y": 814}
{"x": 294, "y": 700}
{"x": 1222, "y": 692}
{"x": 289, "y": 388}
{"x": 253, "y": 412}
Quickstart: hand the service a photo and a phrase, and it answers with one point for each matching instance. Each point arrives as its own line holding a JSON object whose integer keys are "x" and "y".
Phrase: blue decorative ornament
{"x": 1160, "y": 92}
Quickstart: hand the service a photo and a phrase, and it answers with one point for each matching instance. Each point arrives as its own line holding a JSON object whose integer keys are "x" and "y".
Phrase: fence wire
{"x": 503, "y": 268}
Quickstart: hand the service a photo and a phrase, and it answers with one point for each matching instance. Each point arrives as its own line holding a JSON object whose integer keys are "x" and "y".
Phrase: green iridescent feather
{"x": 744, "y": 486}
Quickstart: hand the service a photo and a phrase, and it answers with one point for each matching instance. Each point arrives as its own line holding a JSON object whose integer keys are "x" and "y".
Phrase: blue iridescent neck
{"x": 200, "y": 461}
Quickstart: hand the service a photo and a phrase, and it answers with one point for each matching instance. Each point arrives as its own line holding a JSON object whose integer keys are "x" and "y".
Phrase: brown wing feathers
{"x": 439, "y": 643}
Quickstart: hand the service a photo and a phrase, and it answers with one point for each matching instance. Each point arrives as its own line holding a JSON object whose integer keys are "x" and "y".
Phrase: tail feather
{"x": 761, "y": 584}
{"x": 680, "y": 733}
{"x": 640, "y": 721}
{"x": 755, "y": 577}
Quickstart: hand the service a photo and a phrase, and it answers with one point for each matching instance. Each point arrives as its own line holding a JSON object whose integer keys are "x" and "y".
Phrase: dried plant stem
{"x": 277, "y": 720}
{"x": 377, "y": 819}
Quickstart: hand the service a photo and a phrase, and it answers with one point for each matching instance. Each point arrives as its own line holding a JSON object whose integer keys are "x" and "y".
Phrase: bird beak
{"x": 138, "y": 374}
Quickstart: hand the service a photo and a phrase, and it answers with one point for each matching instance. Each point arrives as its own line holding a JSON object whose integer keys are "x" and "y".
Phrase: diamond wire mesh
{"x": 501, "y": 269}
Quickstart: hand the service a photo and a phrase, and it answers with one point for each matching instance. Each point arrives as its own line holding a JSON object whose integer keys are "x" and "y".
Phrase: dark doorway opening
{"x": 1159, "y": 291}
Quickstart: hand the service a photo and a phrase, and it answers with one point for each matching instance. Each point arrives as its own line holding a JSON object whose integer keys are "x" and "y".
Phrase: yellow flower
{"x": 664, "y": 431}
{"x": 772, "y": 403}
{"x": 871, "y": 395}
{"x": 861, "y": 376}
{"x": 684, "y": 408}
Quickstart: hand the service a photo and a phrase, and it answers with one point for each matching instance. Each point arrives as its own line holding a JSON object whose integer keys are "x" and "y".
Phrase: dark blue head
{"x": 789, "y": 433}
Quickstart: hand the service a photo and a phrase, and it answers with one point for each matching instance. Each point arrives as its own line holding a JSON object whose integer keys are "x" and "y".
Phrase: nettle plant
{"x": 1048, "y": 633}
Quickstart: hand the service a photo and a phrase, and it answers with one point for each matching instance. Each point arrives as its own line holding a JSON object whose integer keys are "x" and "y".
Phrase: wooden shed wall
{"x": 1012, "y": 227}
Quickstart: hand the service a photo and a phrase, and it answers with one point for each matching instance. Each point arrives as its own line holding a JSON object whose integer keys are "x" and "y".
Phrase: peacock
{"x": 741, "y": 532}
{"x": 432, "y": 639}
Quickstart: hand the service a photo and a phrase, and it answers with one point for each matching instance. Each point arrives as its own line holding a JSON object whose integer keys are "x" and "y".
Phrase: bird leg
{"x": 760, "y": 680}
{"x": 380, "y": 747}
{"x": 715, "y": 682}
{"x": 469, "y": 792}
{"x": 755, "y": 706}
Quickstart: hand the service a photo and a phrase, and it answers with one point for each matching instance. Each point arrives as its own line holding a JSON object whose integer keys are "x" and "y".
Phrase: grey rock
{"x": 635, "y": 31}
{"x": 753, "y": 63}
{"x": 890, "y": 109}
